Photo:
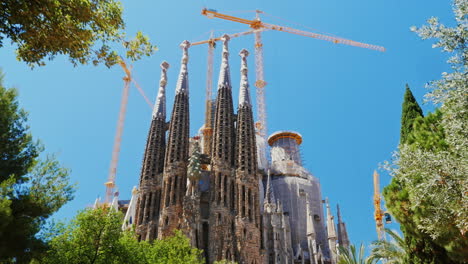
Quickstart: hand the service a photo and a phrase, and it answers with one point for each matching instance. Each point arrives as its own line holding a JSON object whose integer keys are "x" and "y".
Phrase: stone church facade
{"x": 215, "y": 190}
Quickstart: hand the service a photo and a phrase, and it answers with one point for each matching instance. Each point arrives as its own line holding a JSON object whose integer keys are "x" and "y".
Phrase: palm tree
{"x": 389, "y": 252}
{"x": 351, "y": 256}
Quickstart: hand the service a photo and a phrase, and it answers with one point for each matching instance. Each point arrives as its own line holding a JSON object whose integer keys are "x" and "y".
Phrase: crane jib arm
{"x": 257, "y": 24}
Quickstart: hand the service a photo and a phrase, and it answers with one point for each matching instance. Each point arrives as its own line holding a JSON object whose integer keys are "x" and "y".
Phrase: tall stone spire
{"x": 160, "y": 106}
{"x": 343, "y": 239}
{"x": 223, "y": 133}
{"x": 224, "y": 73}
{"x": 244, "y": 93}
{"x": 222, "y": 178}
{"x": 248, "y": 213}
{"x": 331, "y": 234}
{"x": 176, "y": 159}
{"x": 149, "y": 198}
{"x": 182, "y": 82}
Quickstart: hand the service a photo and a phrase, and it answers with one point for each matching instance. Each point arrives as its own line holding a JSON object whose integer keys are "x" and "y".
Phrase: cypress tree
{"x": 415, "y": 130}
{"x": 410, "y": 111}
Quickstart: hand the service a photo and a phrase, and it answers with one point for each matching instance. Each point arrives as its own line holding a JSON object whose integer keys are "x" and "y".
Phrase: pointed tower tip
{"x": 244, "y": 93}
{"x": 185, "y": 44}
{"x": 225, "y": 37}
{"x": 244, "y": 53}
{"x": 182, "y": 82}
{"x": 160, "y": 106}
{"x": 164, "y": 65}
{"x": 338, "y": 213}
{"x": 224, "y": 74}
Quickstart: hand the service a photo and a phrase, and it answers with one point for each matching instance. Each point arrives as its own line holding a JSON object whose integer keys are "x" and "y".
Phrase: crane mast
{"x": 110, "y": 183}
{"x": 260, "y": 85}
{"x": 208, "y": 130}
{"x": 378, "y": 213}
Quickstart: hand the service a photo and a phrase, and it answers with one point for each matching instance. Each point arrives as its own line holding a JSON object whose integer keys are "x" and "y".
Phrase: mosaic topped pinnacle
{"x": 224, "y": 74}
{"x": 160, "y": 106}
{"x": 244, "y": 93}
{"x": 182, "y": 82}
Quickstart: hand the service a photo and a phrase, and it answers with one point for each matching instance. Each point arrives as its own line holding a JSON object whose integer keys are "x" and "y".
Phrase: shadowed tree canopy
{"x": 31, "y": 188}
{"x": 82, "y": 30}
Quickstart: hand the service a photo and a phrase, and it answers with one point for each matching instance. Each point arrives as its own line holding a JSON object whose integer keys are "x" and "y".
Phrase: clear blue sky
{"x": 345, "y": 101}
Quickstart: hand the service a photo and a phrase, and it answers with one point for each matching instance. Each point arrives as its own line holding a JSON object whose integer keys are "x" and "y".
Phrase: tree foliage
{"x": 390, "y": 252}
{"x": 433, "y": 167}
{"x": 410, "y": 111}
{"x": 95, "y": 236}
{"x": 351, "y": 255}
{"x": 419, "y": 132}
{"x": 83, "y": 30}
{"x": 31, "y": 188}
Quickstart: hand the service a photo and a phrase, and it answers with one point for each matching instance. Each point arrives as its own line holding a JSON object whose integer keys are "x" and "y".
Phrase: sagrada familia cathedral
{"x": 217, "y": 189}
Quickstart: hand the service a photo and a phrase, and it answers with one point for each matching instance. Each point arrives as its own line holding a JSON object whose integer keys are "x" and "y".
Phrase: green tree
{"x": 416, "y": 131}
{"x": 410, "y": 111}
{"x": 83, "y": 30}
{"x": 95, "y": 236}
{"x": 352, "y": 256}
{"x": 433, "y": 168}
{"x": 391, "y": 252}
{"x": 31, "y": 188}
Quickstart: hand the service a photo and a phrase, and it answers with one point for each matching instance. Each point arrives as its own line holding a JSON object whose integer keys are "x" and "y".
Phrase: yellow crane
{"x": 110, "y": 183}
{"x": 256, "y": 27}
{"x": 378, "y": 213}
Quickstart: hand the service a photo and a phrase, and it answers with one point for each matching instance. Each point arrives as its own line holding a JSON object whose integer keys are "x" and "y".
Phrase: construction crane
{"x": 110, "y": 183}
{"x": 257, "y": 26}
{"x": 378, "y": 213}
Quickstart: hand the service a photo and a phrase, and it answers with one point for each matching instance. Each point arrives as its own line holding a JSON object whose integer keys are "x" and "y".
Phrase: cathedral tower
{"x": 147, "y": 209}
{"x": 222, "y": 194}
{"x": 248, "y": 200}
{"x": 176, "y": 159}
